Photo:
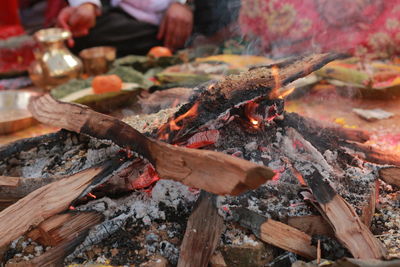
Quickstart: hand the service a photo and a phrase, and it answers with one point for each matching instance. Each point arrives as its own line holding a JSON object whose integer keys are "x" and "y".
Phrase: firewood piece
{"x": 192, "y": 167}
{"x": 311, "y": 225}
{"x": 368, "y": 210}
{"x": 202, "y": 234}
{"x": 46, "y": 201}
{"x": 216, "y": 97}
{"x": 390, "y": 175}
{"x": 21, "y": 186}
{"x": 65, "y": 237}
{"x": 276, "y": 233}
{"x": 349, "y": 229}
{"x": 60, "y": 227}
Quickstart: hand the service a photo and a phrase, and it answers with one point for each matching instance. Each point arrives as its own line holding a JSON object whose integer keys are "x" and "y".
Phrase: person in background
{"x": 134, "y": 26}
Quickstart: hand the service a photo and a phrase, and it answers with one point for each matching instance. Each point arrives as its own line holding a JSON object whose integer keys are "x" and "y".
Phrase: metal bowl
{"x": 97, "y": 60}
{"x": 14, "y": 114}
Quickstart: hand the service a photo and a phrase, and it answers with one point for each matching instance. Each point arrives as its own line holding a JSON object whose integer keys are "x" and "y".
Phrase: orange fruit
{"x": 106, "y": 83}
{"x": 159, "y": 51}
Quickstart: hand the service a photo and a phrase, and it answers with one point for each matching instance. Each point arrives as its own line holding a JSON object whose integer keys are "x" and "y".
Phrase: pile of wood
{"x": 219, "y": 120}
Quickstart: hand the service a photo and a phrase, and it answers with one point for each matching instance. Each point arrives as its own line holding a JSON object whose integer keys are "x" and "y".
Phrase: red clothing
{"x": 293, "y": 26}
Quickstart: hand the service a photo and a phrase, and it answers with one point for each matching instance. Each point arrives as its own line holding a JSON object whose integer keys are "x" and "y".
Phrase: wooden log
{"x": 217, "y": 260}
{"x": 215, "y": 98}
{"x": 276, "y": 233}
{"x": 368, "y": 210}
{"x": 203, "y": 231}
{"x": 390, "y": 175}
{"x": 60, "y": 227}
{"x": 47, "y": 201}
{"x": 192, "y": 167}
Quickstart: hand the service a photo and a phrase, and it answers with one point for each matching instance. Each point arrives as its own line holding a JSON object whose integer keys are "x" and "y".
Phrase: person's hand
{"x": 78, "y": 20}
{"x": 176, "y": 26}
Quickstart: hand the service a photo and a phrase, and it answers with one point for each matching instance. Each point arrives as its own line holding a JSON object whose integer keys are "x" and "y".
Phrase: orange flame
{"x": 285, "y": 93}
{"x": 172, "y": 124}
{"x": 275, "y": 73}
{"x": 190, "y": 113}
{"x": 250, "y": 110}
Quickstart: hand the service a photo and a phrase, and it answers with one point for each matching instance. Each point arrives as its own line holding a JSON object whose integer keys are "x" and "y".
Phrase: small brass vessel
{"x": 97, "y": 60}
{"x": 54, "y": 64}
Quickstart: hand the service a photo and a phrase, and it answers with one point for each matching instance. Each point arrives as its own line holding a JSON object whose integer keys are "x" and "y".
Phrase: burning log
{"x": 202, "y": 234}
{"x": 276, "y": 233}
{"x": 192, "y": 167}
{"x": 47, "y": 201}
{"x": 215, "y": 98}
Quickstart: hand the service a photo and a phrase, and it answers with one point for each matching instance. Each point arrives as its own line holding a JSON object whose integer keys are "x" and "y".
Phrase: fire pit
{"x": 126, "y": 208}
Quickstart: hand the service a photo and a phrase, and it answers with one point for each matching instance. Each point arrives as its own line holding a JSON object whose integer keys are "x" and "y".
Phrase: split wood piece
{"x": 212, "y": 171}
{"x": 368, "y": 210}
{"x": 14, "y": 188}
{"x": 217, "y": 97}
{"x": 311, "y": 225}
{"x": 390, "y": 175}
{"x": 203, "y": 231}
{"x": 276, "y": 233}
{"x": 55, "y": 256}
{"x": 47, "y": 201}
{"x": 61, "y": 227}
{"x": 7, "y": 181}
{"x": 349, "y": 229}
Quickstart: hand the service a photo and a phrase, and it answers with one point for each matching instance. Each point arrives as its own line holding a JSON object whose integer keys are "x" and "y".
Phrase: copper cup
{"x": 97, "y": 60}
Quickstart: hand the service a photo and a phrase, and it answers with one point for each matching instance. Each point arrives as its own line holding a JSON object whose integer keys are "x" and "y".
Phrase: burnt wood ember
{"x": 192, "y": 167}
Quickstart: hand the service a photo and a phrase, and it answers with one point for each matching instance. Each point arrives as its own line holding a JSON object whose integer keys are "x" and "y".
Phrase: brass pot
{"x": 54, "y": 64}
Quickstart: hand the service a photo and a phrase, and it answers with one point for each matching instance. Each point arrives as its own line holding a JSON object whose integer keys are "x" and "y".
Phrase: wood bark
{"x": 45, "y": 202}
{"x": 212, "y": 171}
{"x": 203, "y": 231}
{"x": 311, "y": 225}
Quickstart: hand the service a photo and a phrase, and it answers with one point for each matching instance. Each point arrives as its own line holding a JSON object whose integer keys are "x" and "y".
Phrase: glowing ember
{"x": 173, "y": 124}
{"x": 71, "y": 208}
{"x": 91, "y": 195}
{"x": 148, "y": 178}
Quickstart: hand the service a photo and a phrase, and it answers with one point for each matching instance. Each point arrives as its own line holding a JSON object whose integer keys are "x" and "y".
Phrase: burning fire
{"x": 250, "y": 109}
{"x": 275, "y": 92}
{"x": 173, "y": 124}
